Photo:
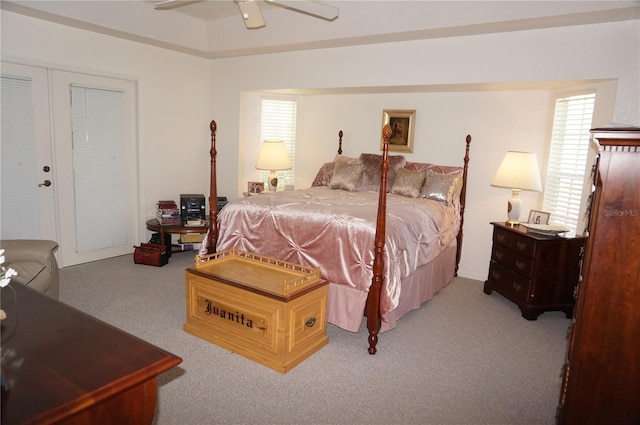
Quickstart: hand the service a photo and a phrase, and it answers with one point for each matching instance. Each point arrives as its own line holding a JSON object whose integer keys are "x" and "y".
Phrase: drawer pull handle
{"x": 500, "y": 237}
{"x": 310, "y": 322}
{"x": 522, "y": 245}
{"x": 496, "y": 275}
{"x": 499, "y": 255}
{"x": 517, "y": 287}
{"x": 520, "y": 265}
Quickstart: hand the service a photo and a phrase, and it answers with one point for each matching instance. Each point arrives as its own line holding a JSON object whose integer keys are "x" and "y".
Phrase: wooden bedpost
{"x": 372, "y": 308}
{"x": 340, "y": 142}
{"x": 463, "y": 200}
{"x": 212, "y": 235}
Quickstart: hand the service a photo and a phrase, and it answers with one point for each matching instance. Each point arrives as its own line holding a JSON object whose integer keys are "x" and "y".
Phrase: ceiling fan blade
{"x": 250, "y": 14}
{"x": 173, "y": 4}
{"x": 309, "y": 7}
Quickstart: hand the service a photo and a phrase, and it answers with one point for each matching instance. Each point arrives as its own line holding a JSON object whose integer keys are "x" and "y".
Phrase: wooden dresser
{"x": 62, "y": 366}
{"x": 539, "y": 273}
{"x": 601, "y": 378}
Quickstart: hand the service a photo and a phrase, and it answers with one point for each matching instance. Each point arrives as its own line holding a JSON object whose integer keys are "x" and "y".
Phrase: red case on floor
{"x": 150, "y": 254}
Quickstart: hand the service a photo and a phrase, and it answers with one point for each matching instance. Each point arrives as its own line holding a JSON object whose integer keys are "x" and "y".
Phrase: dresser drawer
{"x": 518, "y": 242}
{"x": 512, "y": 260}
{"x": 508, "y": 282}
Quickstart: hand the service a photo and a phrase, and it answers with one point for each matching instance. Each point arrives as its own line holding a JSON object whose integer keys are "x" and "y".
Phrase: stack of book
{"x": 168, "y": 213}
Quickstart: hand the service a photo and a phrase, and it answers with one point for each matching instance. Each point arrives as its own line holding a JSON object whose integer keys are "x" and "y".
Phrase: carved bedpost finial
{"x": 386, "y": 132}
{"x": 213, "y": 127}
{"x": 340, "y": 142}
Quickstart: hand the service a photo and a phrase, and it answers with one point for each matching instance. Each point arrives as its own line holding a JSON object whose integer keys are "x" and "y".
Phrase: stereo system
{"x": 192, "y": 207}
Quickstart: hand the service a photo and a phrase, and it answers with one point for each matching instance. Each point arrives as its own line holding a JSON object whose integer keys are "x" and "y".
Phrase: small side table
{"x": 154, "y": 226}
{"x": 537, "y": 272}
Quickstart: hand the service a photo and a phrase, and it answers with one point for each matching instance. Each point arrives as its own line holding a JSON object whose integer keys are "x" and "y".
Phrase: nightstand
{"x": 537, "y": 272}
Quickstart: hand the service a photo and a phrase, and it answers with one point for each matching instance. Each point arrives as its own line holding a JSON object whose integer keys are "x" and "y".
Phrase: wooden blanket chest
{"x": 270, "y": 311}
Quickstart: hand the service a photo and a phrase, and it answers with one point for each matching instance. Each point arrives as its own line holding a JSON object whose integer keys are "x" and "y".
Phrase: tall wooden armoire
{"x": 601, "y": 382}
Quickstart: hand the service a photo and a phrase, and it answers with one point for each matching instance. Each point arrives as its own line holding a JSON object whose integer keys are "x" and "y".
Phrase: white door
{"x": 96, "y": 149}
{"x": 27, "y": 172}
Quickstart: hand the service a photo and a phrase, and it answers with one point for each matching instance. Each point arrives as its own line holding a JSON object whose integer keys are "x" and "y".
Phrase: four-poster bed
{"x": 386, "y": 233}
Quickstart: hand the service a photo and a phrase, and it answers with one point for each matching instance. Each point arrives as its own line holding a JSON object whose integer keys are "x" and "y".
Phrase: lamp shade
{"x": 273, "y": 156}
{"x": 518, "y": 170}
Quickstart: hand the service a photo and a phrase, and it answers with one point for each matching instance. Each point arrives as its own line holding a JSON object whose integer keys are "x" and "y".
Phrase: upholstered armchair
{"x": 35, "y": 263}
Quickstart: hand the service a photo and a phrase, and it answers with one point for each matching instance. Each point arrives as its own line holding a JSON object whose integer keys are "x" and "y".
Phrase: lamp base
{"x": 273, "y": 181}
{"x": 514, "y": 208}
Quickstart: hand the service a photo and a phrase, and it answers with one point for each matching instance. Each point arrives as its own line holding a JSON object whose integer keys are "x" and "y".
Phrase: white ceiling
{"x": 215, "y": 29}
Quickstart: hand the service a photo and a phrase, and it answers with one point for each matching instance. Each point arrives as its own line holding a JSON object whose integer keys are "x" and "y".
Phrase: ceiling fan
{"x": 251, "y": 12}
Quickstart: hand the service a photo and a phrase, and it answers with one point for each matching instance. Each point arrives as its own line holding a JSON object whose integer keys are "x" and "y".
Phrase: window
{"x": 567, "y": 163}
{"x": 278, "y": 122}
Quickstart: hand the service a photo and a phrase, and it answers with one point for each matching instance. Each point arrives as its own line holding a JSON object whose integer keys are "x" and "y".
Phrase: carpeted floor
{"x": 464, "y": 358}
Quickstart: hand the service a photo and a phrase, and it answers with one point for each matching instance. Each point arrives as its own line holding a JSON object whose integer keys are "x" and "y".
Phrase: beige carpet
{"x": 464, "y": 358}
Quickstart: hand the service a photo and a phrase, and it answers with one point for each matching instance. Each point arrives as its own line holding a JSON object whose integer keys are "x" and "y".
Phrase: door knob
{"x": 46, "y": 183}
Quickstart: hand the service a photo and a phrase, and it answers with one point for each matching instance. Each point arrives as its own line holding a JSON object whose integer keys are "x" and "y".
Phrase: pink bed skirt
{"x": 346, "y": 304}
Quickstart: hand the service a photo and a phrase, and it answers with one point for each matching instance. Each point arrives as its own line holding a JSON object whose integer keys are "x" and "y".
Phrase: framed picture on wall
{"x": 538, "y": 217}
{"x": 402, "y": 124}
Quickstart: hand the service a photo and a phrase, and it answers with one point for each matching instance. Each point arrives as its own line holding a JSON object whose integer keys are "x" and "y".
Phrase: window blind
{"x": 98, "y": 168}
{"x": 566, "y": 168}
{"x": 19, "y": 207}
{"x": 278, "y": 122}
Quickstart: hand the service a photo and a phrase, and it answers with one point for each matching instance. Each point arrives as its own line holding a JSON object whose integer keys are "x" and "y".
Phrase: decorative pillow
{"x": 324, "y": 174}
{"x": 444, "y": 169}
{"x": 419, "y": 166}
{"x": 440, "y": 187}
{"x": 326, "y": 171}
{"x": 346, "y": 176}
{"x": 425, "y": 166}
{"x": 371, "y": 172}
{"x": 347, "y": 159}
{"x": 408, "y": 182}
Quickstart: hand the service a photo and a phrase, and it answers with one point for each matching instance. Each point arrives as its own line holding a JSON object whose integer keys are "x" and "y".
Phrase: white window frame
{"x": 567, "y": 164}
{"x": 278, "y": 117}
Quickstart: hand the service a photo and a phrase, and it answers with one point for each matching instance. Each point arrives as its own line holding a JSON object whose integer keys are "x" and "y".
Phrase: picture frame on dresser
{"x": 402, "y": 124}
{"x": 255, "y": 187}
{"x": 538, "y": 217}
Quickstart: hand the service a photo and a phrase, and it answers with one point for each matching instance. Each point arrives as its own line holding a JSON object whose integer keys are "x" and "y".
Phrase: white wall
{"x": 497, "y": 121}
{"x": 174, "y": 96}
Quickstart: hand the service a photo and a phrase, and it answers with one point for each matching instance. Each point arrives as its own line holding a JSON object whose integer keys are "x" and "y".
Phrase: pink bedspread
{"x": 335, "y": 230}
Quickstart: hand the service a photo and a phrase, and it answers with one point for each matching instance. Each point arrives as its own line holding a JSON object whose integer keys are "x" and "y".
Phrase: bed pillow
{"x": 347, "y": 159}
{"x": 371, "y": 172}
{"x": 408, "y": 182}
{"x": 425, "y": 166}
{"x": 323, "y": 178}
{"x": 440, "y": 187}
{"x": 444, "y": 169}
{"x": 346, "y": 176}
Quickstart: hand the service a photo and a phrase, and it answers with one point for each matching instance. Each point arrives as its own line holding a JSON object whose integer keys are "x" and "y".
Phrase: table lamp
{"x": 273, "y": 157}
{"x": 518, "y": 171}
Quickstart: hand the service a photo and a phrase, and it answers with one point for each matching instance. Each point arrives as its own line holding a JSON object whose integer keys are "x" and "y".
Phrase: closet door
{"x": 96, "y": 151}
{"x": 27, "y": 172}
